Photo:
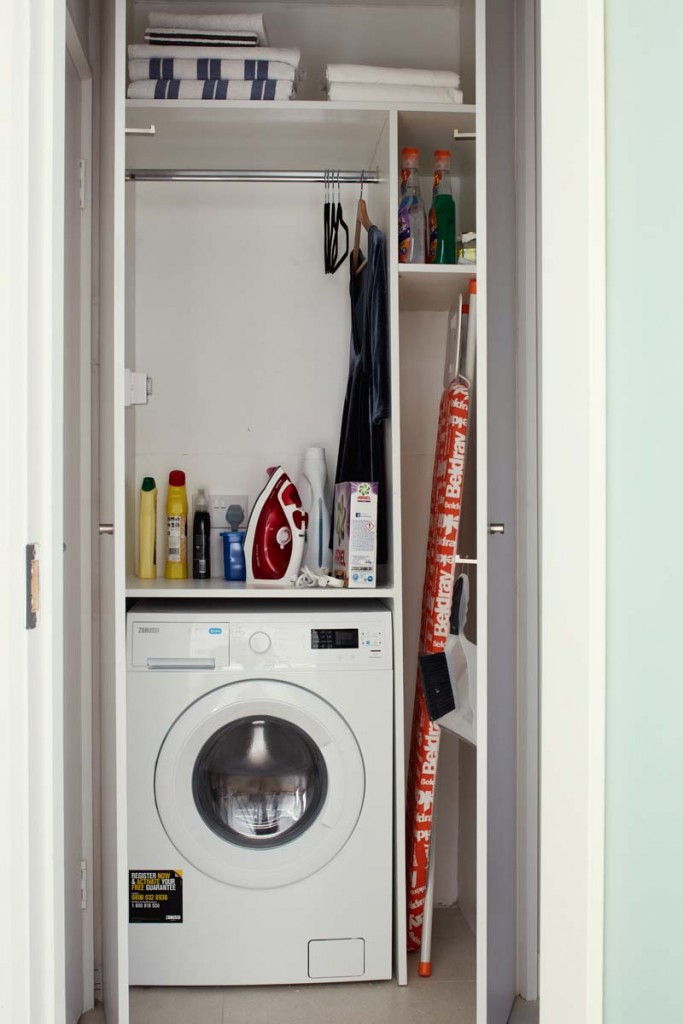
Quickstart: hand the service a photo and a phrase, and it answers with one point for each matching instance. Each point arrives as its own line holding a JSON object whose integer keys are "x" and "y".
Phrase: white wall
{"x": 644, "y": 819}
{"x": 246, "y": 338}
{"x": 80, "y": 13}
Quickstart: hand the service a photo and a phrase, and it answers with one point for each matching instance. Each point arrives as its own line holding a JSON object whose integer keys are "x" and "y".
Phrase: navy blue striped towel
{"x": 210, "y": 69}
{"x": 174, "y": 89}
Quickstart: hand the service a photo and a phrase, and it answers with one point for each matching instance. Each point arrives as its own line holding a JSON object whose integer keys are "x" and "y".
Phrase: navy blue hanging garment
{"x": 368, "y": 390}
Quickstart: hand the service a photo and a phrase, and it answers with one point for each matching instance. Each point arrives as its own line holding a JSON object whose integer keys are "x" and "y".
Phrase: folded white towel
{"x": 391, "y": 76}
{"x": 351, "y": 91}
{"x": 213, "y": 90}
{"x": 179, "y": 37}
{"x": 238, "y": 22}
{"x": 209, "y": 69}
{"x": 143, "y": 51}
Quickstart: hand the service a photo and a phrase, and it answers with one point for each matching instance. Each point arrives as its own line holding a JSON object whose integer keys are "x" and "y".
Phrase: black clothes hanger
{"x": 327, "y": 224}
{"x": 337, "y": 222}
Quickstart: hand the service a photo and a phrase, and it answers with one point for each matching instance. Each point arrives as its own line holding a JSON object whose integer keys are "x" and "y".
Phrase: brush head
{"x": 436, "y": 685}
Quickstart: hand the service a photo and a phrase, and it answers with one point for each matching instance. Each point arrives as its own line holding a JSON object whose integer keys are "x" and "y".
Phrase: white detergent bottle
{"x": 312, "y": 488}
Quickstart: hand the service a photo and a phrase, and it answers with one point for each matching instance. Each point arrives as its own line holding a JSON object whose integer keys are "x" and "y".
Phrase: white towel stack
{"x": 210, "y": 57}
{"x": 359, "y": 82}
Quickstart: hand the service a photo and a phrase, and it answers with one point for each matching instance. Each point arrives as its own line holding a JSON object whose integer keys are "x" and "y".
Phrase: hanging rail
{"x": 305, "y": 177}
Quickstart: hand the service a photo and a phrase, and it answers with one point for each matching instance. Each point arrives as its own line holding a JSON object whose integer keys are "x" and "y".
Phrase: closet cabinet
{"x": 216, "y": 291}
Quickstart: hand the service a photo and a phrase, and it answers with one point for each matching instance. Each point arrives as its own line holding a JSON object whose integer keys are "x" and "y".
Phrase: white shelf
{"x": 429, "y": 287}
{"x": 287, "y": 135}
{"x": 219, "y": 588}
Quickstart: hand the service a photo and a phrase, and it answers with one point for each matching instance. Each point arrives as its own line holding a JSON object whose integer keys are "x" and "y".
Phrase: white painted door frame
{"x": 31, "y": 310}
{"x": 572, "y": 509}
{"x": 75, "y": 50}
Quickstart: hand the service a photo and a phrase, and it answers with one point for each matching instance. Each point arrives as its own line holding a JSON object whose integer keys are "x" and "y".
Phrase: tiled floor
{"x": 448, "y": 997}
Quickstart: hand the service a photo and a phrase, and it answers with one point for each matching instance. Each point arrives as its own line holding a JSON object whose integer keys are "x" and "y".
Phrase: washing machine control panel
{"x": 270, "y": 645}
{"x": 334, "y": 639}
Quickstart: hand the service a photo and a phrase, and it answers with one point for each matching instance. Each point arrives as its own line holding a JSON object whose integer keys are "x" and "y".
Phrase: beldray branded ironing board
{"x": 437, "y": 599}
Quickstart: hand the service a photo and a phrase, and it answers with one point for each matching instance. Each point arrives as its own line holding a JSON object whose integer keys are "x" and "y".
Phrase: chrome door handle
{"x": 142, "y": 131}
{"x": 106, "y": 528}
{"x": 496, "y": 527}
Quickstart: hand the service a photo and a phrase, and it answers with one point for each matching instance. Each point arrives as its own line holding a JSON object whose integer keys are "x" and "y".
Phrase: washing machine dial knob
{"x": 259, "y": 642}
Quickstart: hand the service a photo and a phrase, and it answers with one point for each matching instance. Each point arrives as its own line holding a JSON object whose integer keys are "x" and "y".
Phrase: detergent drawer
{"x": 179, "y": 646}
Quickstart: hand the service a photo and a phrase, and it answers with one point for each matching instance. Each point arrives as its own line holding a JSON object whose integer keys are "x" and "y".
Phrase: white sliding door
{"x": 112, "y": 512}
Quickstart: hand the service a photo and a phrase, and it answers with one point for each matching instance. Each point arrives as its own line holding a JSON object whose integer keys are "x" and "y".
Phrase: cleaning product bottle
{"x": 442, "y": 212}
{"x": 412, "y": 223}
{"x": 312, "y": 487}
{"x": 235, "y": 567}
{"x": 147, "y": 556}
{"x": 201, "y": 538}
{"x": 176, "y": 526}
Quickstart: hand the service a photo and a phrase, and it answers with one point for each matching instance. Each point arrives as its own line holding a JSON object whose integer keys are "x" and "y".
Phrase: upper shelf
{"x": 289, "y": 135}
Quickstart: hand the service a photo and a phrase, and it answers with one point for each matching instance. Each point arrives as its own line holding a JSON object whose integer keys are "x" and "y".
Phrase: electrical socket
{"x": 219, "y": 505}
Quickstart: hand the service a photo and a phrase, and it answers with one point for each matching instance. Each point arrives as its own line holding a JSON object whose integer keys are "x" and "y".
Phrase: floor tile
{"x": 371, "y": 1003}
{"x": 176, "y": 1005}
{"x": 524, "y": 1012}
{"x": 95, "y": 1016}
{"x": 453, "y": 950}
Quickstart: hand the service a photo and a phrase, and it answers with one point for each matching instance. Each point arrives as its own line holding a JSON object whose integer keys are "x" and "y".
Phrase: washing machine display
{"x": 260, "y": 767}
{"x": 334, "y": 639}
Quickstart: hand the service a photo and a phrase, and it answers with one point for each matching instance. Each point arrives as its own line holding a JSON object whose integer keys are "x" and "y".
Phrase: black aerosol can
{"x": 201, "y": 539}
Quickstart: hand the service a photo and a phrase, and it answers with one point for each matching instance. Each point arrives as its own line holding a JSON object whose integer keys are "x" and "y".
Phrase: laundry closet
{"x": 213, "y": 288}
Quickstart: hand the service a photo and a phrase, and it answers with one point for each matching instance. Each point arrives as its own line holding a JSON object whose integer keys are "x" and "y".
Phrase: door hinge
{"x": 84, "y": 885}
{"x": 81, "y": 184}
{"x": 32, "y": 586}
{"x": 137, "y": 388}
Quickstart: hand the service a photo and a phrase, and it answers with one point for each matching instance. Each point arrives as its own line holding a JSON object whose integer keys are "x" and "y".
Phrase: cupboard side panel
{"x": 499, "y": 448}
{"x": 112, "y": 510}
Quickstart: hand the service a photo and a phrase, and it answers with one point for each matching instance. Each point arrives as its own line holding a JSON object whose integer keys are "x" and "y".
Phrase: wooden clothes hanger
{"x": 362, "y": 221}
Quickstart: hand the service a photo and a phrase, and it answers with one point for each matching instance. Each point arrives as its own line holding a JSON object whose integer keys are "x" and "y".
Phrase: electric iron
{"x": 276, "y": 533}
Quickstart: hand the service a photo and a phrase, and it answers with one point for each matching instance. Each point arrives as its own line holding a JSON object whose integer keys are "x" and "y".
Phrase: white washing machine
{"x": 260, "y": 792}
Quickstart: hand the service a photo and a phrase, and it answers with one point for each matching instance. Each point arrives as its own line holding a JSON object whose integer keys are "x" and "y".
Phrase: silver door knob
{"x": 106, "y": 528}
{"x": 496, "y": 527}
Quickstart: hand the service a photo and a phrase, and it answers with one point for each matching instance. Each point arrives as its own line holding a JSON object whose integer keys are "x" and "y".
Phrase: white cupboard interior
{"x": 216, "y": 290}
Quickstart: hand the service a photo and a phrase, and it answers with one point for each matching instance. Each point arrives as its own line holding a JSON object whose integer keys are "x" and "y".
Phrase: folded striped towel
{"x": 222, "y": 89}
{"x": 180, "y": 37}
{"x": 391, "y": 76}
{"x": 211, "y": 22}
{"x": 357, "y": 91}
{"x": 144, "y": 51}
{"x": 206, "y": 68}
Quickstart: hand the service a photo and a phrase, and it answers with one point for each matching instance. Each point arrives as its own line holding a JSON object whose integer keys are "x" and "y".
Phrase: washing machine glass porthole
{"x": 259, "y": 782}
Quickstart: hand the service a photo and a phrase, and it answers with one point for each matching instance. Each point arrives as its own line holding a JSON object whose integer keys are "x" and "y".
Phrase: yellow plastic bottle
{"x": 147, "y": 557}
{"x": 176, "y": 527}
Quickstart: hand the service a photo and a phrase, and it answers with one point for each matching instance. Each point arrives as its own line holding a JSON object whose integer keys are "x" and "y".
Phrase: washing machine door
{"x": 259, "y": 784}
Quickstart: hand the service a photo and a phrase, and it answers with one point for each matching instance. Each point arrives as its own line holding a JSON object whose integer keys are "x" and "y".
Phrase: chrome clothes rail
{"x": 304, "y": 177}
